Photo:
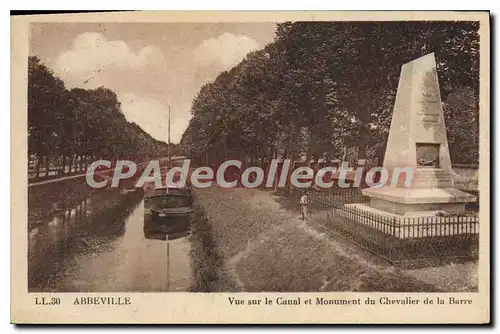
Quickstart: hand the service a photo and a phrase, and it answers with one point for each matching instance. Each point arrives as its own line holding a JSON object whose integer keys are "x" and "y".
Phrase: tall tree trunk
{"x": 279, "y": 169}
{"x": 60, "y": 166}
{"x": 362, "y": 151}
{"x": 70, "y": 158}
{"x": 308, "y": 157}
{"x": 311, "y": 149}
{"x": 47, "y": 165}
{"x": 214, "y": 160}
{"x": 38, "y": 163}
{"x": 262, "y": 167}
{"x": 344, "y": 154}
{"x": 63, "y": 164}
{"x": 292, "y": 166}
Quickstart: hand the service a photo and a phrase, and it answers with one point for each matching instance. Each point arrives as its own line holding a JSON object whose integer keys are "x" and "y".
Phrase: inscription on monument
{"x": 430, "y": 119}
{"x": 430, "y": 102}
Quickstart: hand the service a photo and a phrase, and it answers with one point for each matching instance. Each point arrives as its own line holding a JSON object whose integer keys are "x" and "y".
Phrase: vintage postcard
{"x": 251, "y": 167}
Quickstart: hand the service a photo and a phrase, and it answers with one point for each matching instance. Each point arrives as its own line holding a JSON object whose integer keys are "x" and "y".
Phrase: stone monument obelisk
{"x": 417, "y": 140}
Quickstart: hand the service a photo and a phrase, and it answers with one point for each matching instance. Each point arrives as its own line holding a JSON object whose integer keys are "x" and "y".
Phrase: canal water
{"x": 81, "y": 250}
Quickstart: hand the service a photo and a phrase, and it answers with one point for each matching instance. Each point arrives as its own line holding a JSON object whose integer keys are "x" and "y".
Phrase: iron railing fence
{"x": 394, "y": 238}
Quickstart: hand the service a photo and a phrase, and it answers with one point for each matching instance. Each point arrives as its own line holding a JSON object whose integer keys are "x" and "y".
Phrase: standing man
{"x": 304, "y": 202}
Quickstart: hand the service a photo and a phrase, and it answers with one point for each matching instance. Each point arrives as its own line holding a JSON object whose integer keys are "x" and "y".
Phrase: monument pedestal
{"x": 413, "y": 225}
{"x": 418, "y": 201}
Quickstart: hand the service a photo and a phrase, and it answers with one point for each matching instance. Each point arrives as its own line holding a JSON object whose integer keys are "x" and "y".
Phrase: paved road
{"x": 78, "y": 251}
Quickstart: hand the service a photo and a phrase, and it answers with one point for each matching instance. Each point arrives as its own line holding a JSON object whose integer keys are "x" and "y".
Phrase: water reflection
{"x": 90, "y": 227}
{"x": 173, "y": 234}
{"x": 86, "y": 249}
{"x": 166, "y": 230}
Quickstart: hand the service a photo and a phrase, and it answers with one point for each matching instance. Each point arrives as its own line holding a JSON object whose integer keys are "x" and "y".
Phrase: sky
{"x": 148, "y": 65}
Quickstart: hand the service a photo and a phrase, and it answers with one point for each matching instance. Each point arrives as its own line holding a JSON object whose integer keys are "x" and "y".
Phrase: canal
{"x": 86, "y": 250}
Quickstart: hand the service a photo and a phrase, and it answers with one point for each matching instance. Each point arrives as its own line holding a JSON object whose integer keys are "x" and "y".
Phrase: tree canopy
{"x": 323, "y": 88}
{"x": 77, "y": 125}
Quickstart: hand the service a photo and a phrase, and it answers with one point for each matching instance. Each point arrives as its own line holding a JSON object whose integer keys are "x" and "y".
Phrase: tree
{"x": 44, "y": 101}
{"x": 324, "y": 87}
{"x": 73, "y": 126}
{"x": 462, "y": 123}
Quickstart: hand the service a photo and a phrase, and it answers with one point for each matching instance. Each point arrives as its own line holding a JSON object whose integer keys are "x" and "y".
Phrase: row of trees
{"x": 69, "y": 128}
{"x": 326, "y": 88}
